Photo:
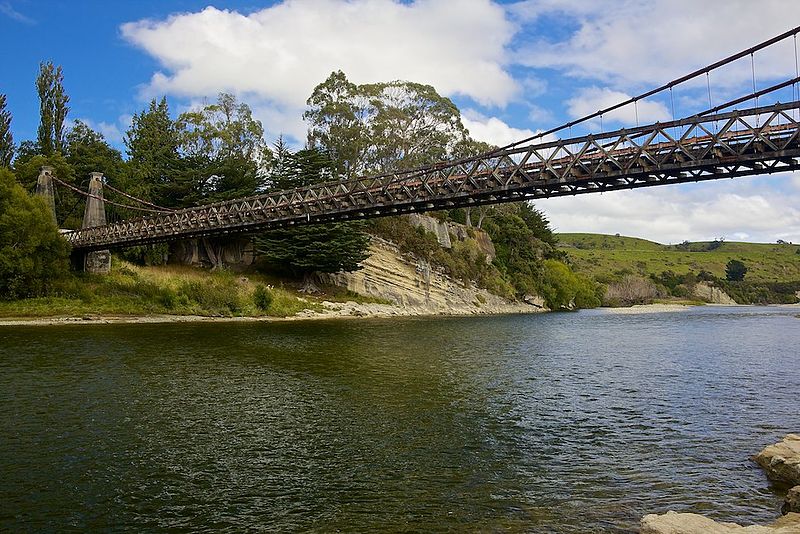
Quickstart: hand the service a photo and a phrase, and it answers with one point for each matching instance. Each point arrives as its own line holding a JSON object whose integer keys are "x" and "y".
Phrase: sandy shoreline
{"x": 339, "y": 310}
{"x": 332, "y": 310}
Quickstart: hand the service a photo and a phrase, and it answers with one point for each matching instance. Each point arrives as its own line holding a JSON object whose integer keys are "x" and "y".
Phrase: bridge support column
{"x": 98, "y": 261}
{"x": 44, "y": 189}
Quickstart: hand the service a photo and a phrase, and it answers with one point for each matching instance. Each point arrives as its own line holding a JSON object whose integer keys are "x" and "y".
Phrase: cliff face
{"x": 714, "y": 295}
{"x": 417, "y": 286}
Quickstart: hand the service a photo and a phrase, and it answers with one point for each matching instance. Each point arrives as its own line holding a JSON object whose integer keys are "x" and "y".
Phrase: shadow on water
{"x": 560, "y": 422}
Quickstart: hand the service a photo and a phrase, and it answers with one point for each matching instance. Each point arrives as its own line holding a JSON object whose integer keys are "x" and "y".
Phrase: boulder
{"x": 683, "y": 523}
{"x": 792, "y": 502}
{"x": 781, "y": 461}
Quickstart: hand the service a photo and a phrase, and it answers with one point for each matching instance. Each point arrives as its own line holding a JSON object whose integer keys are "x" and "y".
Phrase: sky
{"x": 513, "y": 68}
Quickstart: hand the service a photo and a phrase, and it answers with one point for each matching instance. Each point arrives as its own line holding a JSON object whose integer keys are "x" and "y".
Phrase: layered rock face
{"x": 414, "y": 284}
{"x": 709, "y": 293}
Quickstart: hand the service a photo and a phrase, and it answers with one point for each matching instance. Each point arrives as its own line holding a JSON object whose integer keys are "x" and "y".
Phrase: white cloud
{"x": 492, "y": 130}
{"x": 592, "y": 99}
{"x": 646, "y": 43}
{"x": 759, "y": 207}
{"x": 280, "y": 53}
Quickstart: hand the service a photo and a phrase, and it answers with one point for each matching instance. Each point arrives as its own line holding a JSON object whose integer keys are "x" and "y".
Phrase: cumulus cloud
{"x": 759, "y": 207}
{"x": 281, "y": 52}
{"x": 492, "y": 130}
{"x": 646, "y": 43}
{"x": 591, "y": 99}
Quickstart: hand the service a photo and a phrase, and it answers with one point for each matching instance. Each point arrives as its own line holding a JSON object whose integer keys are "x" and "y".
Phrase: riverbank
{"x": 325, "y": 310}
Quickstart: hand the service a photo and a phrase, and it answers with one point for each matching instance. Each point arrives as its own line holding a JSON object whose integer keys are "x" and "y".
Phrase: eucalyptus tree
{"x": 224, "y": 148}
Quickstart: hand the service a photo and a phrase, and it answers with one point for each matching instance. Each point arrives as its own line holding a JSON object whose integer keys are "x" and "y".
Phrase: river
{"x": 568, "y": 422}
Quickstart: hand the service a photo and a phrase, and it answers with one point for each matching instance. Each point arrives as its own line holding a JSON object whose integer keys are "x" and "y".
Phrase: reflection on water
{"x": 561, "y": 422}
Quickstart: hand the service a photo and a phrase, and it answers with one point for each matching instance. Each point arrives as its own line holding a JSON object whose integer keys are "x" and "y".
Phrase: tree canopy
{"x": 32, "y": 254}
{"x": 53, "y": 108}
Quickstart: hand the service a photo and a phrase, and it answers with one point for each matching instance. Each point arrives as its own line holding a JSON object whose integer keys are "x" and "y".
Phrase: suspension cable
{"x": 89, "y": 195}
{"x": 136, "y": 199}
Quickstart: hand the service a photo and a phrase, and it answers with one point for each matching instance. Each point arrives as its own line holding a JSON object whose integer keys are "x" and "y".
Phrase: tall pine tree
{"x": 6, "y": 138}
{"x": 155, "y": 164}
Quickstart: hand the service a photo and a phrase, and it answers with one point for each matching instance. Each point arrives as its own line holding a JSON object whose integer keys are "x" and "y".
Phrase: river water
{"x": 571, "y": 422}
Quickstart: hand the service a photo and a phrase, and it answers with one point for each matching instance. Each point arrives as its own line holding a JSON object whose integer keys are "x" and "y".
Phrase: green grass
{"x": 169, "y": 290}
{"x": 601, "y": 256}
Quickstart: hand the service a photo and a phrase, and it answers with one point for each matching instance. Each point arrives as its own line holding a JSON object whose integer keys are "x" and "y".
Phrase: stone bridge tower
{"x": 98, "y": 261}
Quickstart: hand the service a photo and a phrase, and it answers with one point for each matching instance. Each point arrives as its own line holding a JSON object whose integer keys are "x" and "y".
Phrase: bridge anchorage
{"x": 708, "y": 145}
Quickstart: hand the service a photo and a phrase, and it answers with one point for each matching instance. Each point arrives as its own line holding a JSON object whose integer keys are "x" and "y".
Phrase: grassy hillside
{"x": 601, "y": 256}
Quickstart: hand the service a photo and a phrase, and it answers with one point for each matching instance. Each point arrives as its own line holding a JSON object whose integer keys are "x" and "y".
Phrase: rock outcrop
{"x": 446, "y": 232}
{"x": 417, "y": 286}
{"x": 781, "y": 461}
{"x": 681, "y": 523}
{"x": 711, "y": 294}
{"x": 792, "y": 502}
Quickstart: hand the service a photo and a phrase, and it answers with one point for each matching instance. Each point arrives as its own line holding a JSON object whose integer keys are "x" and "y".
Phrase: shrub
{"x": 262, "y": 297}
{"x": 213, "y": 297}
{"x": 630, "y": 290}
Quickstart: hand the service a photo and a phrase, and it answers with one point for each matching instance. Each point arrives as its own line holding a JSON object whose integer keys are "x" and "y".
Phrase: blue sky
{"x": 511, "y": 67}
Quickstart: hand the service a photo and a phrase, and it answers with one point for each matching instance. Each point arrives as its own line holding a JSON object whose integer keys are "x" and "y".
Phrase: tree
{"x": 337, "y": 114}
{"x": 52, "y": 108}
{"x": 155, "y": 166}
{"x": 382, "y": 127}
{"x": 225, "y": 146}
{"x": 6, "y": 138}
{"x": 735, "y": 271}
{"x": 303, "y": 250}
{"x": 32, "y": 253}
{"x": 87, "y": 151}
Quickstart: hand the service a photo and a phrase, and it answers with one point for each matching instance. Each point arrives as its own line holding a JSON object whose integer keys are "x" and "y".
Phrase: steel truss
{"x": 755, "y": 141}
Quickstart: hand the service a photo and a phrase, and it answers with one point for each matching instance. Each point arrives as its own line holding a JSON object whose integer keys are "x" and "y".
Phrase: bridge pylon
{"x": 97, "y": 261}
{"x": 44, "y": 189}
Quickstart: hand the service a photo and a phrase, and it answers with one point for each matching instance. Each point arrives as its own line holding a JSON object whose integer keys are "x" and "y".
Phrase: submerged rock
{"x": 781, "y": 461}
{"x": 681, "y": 523}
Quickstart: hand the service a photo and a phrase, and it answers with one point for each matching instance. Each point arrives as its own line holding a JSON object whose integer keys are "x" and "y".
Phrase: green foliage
{"x": 32, "y": 254}
{"x": 564, "y": 289}
{"x": 215, "y": 296}
{"x": 6, "y": 138}
{"x": 146, "y": 254}
{"x": 155, "y": 166}
{"x": 262, "y": 297}
{"x": 69, "y": 205}
{"x": 383, "y": 126}
{"x": 53, "y": 108}
{"x": 226, "y": 147}
{"x": 305, "y": 249}
{"x": 762, "y": 293}
{"x": 87, "y": 151}
{"x": 735, "y": 271}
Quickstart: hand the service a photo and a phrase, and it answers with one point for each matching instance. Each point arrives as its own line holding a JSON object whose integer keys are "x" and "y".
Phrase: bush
{"x": 215, "y": 297}
{"x": 33, "y": 256}
{"x": 630, "y": 290}
{"x": 262, "y": 297}
{"x": 564, "y": 289}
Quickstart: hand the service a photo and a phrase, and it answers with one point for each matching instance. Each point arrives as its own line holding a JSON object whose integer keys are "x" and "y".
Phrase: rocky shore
{"x": 781, "y": 462}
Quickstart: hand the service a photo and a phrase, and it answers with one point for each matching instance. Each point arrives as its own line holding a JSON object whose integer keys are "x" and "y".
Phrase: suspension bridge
{"x": 718, "y": 142}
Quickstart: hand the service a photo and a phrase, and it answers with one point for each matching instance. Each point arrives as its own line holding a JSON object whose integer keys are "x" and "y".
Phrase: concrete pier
{"x": 98, "y": 261}
{"x": 44, "y": 189}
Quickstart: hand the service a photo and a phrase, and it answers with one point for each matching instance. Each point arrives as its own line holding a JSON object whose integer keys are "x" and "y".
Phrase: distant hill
{"x": 600, "y": 256}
